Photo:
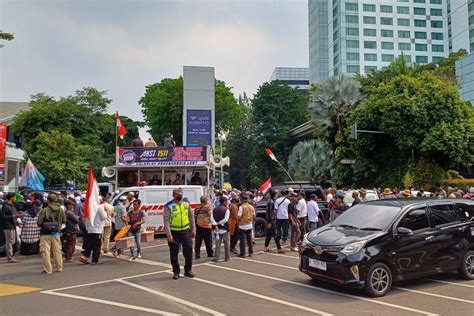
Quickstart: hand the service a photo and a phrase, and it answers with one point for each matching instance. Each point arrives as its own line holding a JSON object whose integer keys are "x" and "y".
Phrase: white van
{"x": 154, "y": 198}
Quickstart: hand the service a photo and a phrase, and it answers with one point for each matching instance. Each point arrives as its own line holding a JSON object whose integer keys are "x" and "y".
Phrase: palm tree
{"x": 333, "y": 102}
{"x": 311, "y": 160}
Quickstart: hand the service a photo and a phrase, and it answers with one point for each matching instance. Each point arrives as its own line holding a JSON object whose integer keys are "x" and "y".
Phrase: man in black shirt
{"x": 271, "y": 222}
{"x": 8, "y": 217}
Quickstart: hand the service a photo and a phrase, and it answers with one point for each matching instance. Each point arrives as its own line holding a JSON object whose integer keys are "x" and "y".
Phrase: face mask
{"x": 179, "y": 198}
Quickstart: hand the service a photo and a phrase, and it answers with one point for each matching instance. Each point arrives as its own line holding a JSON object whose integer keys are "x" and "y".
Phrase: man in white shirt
{"x": 219, "y": 218}
{"x": 329, "y": 195}
{"x": 283, "y": 223}
{"x": 313, "y": 212}
{"x": 302, "y": 210}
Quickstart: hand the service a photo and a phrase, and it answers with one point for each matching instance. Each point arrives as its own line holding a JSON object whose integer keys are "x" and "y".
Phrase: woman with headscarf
{"x": 30, "y": 232}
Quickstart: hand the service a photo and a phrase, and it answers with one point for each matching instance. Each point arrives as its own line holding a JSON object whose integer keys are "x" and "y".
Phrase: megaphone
{"x": 218, "y": 161}
{"x": 108, "y": 172}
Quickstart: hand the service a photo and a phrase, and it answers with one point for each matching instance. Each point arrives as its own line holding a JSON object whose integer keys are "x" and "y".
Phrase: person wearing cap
{"x": 388, "y": 194}
{"x": 109, "y": 209}
{"x": 71, "y": 230}
{"x": 245, "y": 217}
{"x": 178, "y": 218}
{"x": 219, "y": 219}
{"x": 233, "y": 221}
{"x": 50, "y": 242}
{"x": 202, "y": 216}
{"x": 8, "y": 218}
{"x": 93, "y": 238}
{"x": 338, "y": 207}
{"x": 363, "y": 195}
{"x": 120, "y": 221}
{"x": 271, "y": 217}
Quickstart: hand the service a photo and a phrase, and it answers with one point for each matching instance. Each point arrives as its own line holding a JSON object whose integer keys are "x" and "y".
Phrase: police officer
{"x": 180, "y": 228}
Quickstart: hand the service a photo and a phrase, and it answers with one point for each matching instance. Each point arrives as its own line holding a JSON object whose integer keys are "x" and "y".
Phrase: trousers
{"x": 225, "y": 239}
{"x": 138, "y": 241}
{"x": 282, "y": 229}
{"x": 94, "y": 241}
{"x": 206, "y": 235}
{"x": 106, "y": 238}
{"x": 50, "y": 244}
{"x": 10, "y": 236}
{"x": 70, "y": 246}
{"x": 245, "y": 235}
{"x": 182, "y": 238}
{"x": 272, "y": 233}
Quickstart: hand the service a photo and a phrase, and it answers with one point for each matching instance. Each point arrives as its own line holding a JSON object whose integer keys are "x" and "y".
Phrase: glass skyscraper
{"x": 358, "y": 36}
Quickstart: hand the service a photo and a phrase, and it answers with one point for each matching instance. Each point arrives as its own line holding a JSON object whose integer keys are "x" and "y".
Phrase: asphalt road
{"x": 266, "y": 284}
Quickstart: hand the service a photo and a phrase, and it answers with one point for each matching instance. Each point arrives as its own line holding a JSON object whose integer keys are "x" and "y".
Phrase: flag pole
{"x": 285, "y": 170}
{"x": 116, "y": 151}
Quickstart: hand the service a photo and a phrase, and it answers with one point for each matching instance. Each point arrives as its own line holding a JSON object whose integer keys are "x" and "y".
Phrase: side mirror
{"x": 403, "y": 232}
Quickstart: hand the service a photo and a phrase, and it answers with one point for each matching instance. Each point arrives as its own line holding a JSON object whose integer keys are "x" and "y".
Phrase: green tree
{"x": 162, "y": 108}
{"x": 311, "y": 160}
{"x": 276, "y": 109}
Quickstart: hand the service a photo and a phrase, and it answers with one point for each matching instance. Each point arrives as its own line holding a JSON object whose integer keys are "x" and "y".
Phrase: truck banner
{"x": 162, "y": 156}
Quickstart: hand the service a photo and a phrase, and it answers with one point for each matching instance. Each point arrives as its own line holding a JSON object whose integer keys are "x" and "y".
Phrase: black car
{"x": 376, "y": 243}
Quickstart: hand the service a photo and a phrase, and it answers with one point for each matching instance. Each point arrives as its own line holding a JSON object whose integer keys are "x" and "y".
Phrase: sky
{"x": 122, "y": 46}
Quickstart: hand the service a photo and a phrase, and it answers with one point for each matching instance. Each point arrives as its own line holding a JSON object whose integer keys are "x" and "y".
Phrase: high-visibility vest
{"x": 179, "y": 216}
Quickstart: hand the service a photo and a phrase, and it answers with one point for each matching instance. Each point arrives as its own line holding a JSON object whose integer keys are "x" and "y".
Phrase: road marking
{"x": 172, "y": 298}
{"x": 271, "y": 299}
{"x": 116, "y": 304}
{"x": 325, "y": 290}
{"x": 280, "y": 255}
{"x": 435, "y": 295}
{"x": 269, "y": 263}
{"x": 452, "y": 283}
{"x": 12, "y": 289}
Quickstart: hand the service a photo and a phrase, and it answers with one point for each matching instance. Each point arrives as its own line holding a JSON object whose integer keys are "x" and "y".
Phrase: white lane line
{"x": 116, "y": 304}
{"x": 280, "y": 255}
{"x": 451, "y": 283}
{"x": 172, "y": 298}
{"x": 325, "y": 290}
{"x": 269, "y": 263}
{"x": 271, "y": 299}
{"x": 435, "y": 295}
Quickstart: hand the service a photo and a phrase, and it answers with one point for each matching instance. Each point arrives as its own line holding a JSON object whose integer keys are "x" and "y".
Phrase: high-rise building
{"x": 358, "y": 36}
{"x": 297, "y": 78}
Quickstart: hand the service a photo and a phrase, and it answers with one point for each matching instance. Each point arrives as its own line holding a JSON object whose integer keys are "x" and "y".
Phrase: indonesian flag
{"x": 92, "y": 198}
{"x": 266, "y": 186}
{"x": 122, "y": 131}
{"x": 270, "y": 153}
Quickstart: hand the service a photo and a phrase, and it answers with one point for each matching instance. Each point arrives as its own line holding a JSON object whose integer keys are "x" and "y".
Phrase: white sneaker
{"x": 139, "y": 255}
{"x": 131, "y": 259}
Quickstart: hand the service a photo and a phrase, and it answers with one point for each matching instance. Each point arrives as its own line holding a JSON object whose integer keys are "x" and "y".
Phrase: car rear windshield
{"x": 368, "y": 216}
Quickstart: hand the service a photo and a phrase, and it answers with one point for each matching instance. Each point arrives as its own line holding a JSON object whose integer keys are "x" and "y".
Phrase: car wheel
{"x": 378, "y": 280}
{"x": 466, "y": 270}
{"x": 260, "y": 227}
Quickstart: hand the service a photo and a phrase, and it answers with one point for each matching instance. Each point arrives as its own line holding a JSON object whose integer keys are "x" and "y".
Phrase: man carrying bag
{"x": 51, "y": 219}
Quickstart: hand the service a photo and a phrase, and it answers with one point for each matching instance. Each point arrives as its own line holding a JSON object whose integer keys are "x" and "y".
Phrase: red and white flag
{"x": 266, "y": 186}
{"x": 270, "y": 153}
{"x": 121, "y": 130}
{"x": 92, "y": 198}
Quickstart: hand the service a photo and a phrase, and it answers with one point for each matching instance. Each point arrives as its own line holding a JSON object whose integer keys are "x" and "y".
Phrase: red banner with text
{"x": 3, "y": 153}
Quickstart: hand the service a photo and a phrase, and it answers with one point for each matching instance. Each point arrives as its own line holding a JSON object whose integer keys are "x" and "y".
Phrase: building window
{"x": 370, "y": 57}
{"x": 419, "y": 1}
{"x": 369, "y": 7}
{"x": 387, "y": 45}
{"x": 352, "y": 7}
{"x": 335, "y": 48}
{"x": 471, "y": 19}
{"x": 386, "y": 21}
{"x": 420, "y": 23}
{"x": 370, "y": 32}
{"x": 420, "y": 35}
{"x": 436, "y": 1}
{"x": 471, "y": 33}
{"x": 436, "y": 12}
{"x": 352, "y": 56}
{"x": 406, "y": 58}
{"x": 437, "y": 48}
{"x": 404, "y": 46}
{"x": 352, "y": 31}
{"x": 437, "y": 59}
{"x": 470, "y": 7}
{"x": 421, "y": 59}
{"x": 387, "y": 57}
{"x": 419, "y": 11}
{"x": 386, "y": 33}
{"x": 386, "y": 9}
{"x": 352, "y": 19}
{"x": 437, "y": 24}
{"x": 369, "y": 69}
{"x": 403, "y": 10}
{"x": 335, "y": 23}
{"x": 404, "y": 34}
{"x": 370, "y": 44}
{"x": 437, "y": 36}
{"x": 336, "y": 59}
{"x": 369, "y": 20}
{"x": 352, "y": 44}
{"x": 353, "y": 69}
{"x": 403, "y": 22}
{"x": 471, "y": 47}
{"x": 335, "y": 35}
{"x": 421, "y": 47}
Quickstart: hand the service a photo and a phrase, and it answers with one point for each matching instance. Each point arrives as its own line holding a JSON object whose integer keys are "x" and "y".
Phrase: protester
{"x": 94, "y": 237}
{"x": 120, "y": 221}
{"x": 363, "y": 195}
{"x": 294, "y": 223}
{"x": 178, "y": 218}
{"x": 388, "y": 194}
{"x": 8, "y": 218}
{"x": 50, "y": 219}
{"x": 281, "y": 204}
{"x": 219, "y": 218}
{"x": 109, "y": 210}
{"x": 338, "y": 207}
{"x": 233, "y": 221}
{"x": 245, "y": 218}
{"x": 177, "y": 180}
{"x": 271, "y": 216}
{"x": 355, "y": 197}
{"x": 302, "y": 210}
{"x": 71, "y": 231}
{"x": 150, "y": 143}
{"x": 135, "y": 219}
{"x": 169, "y": 142}
{"x": 313, "y": 213}
{"x": 202, "y": 216}
{"x": 129, "y": 203}
{"x": 137, "y": 142}
{"x": 30, "y": 232}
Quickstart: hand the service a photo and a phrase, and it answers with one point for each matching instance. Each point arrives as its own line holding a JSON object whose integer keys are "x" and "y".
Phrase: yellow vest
{"x": 179, "y": 216}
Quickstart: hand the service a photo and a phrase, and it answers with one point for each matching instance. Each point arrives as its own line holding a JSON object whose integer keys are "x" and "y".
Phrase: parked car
{"x": 371, "y": 195}
{"x": 374, "y": 244}
{"x": 306, "y": 186}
